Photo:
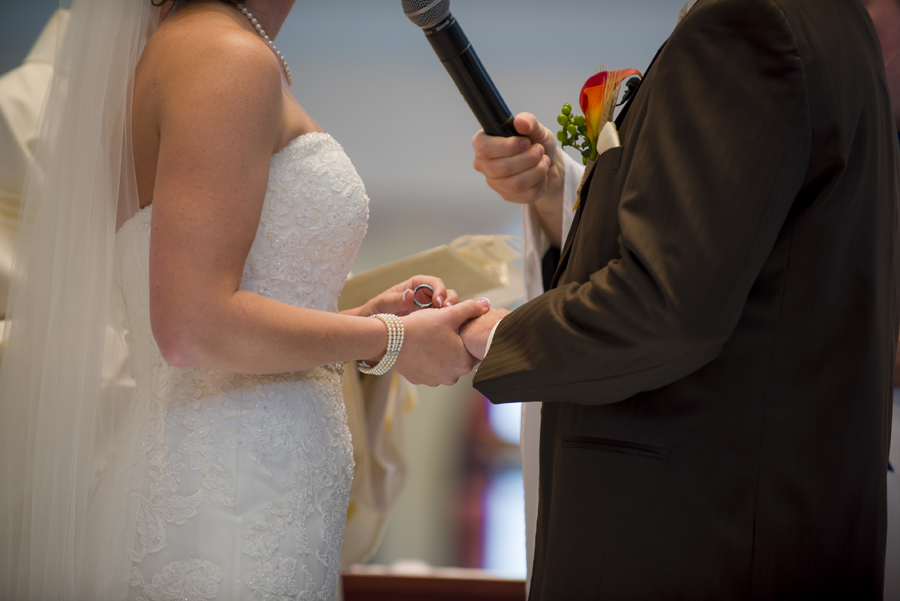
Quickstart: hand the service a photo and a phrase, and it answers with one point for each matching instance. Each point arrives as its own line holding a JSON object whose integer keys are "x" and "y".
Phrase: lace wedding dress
{"x": 246, "y": 481}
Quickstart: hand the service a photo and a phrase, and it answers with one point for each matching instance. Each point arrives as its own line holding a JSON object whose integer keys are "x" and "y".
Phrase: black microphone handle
{"x": 471, "y": 79}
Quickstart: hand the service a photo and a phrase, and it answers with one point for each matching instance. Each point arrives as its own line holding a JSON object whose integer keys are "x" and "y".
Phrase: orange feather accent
{"x": 598, "y": 100}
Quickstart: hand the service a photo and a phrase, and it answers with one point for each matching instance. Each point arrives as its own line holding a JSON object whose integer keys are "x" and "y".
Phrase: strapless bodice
{"x": 313, "y": 221}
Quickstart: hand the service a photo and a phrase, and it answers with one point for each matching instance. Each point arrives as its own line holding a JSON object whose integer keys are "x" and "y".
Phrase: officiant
{"x": 22, "y": 92}
{"x": 714, "y": 354}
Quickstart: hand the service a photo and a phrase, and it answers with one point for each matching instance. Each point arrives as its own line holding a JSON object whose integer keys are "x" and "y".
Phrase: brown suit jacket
{"x": 715, "y": 359}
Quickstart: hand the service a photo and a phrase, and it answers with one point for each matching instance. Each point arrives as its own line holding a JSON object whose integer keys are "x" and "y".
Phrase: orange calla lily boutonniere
{"x": 598, "y": 102}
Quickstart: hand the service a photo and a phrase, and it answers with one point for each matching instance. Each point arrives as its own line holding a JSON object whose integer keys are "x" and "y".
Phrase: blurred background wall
{"x": 368, "y": 76}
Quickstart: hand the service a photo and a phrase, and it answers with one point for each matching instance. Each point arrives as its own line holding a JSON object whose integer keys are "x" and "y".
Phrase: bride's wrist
{"x": 376, "y": 360}
{"x": 366, "y": 310}
{"x": 389, "y": 348}
{"x": 378, "y": 338}
{"x": 356, "y": 311}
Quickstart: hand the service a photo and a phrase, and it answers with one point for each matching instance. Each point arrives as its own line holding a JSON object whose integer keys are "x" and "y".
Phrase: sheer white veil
{"x": 68, "y": 416}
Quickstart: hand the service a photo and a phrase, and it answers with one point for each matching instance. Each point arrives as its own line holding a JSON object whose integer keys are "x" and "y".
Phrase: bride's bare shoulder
{"x": 205, "y": 51}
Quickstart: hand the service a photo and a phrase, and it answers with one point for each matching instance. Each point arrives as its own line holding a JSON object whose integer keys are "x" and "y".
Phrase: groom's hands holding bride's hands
{"x": 442, "y": 344}
{"x": 433, "y": 352}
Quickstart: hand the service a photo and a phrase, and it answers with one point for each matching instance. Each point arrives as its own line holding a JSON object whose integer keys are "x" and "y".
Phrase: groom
{"x": 714, "y": 357}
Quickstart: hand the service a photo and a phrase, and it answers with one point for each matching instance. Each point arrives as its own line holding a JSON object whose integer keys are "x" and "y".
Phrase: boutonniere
{"x": 598, "y": 103}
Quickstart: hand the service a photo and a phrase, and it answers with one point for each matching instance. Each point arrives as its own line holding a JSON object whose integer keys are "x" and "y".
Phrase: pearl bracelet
{"x": 395, "y": 342}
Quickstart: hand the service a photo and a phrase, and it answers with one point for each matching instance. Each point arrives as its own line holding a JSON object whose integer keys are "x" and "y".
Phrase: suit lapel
{"x": 621, "y": 116}
{"x": 567, "y": 249}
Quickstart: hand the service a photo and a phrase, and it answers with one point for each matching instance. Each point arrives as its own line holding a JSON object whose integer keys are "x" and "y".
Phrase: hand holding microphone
{"x": 459, "y": 58}
{"x": 518, "y": 156}
{"x": 522, "y": 169}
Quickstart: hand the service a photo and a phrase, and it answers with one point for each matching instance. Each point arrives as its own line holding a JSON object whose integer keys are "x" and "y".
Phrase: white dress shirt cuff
{"x": 487, "y": 348}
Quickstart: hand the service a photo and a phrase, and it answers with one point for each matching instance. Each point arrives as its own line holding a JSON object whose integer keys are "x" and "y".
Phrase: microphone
{"x": 459, "y": 58}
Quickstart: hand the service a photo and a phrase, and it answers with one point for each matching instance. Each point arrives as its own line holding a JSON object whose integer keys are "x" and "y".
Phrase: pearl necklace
{"x": 262, "y": 34}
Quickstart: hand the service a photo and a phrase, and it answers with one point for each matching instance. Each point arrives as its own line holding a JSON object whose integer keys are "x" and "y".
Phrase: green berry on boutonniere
{"x": 573, "y": 132}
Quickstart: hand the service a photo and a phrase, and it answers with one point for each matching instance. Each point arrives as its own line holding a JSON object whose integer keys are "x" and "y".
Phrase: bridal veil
{"x": 68, "y": 422}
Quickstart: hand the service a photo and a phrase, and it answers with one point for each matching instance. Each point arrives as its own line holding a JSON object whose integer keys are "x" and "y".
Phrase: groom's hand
{"x": 475, "y": 333}
{"x": 433, "y": 352}
{"x": 527, "y": 169}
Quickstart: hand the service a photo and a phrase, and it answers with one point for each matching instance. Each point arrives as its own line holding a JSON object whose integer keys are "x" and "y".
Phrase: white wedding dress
{"x": 245, "y": 479}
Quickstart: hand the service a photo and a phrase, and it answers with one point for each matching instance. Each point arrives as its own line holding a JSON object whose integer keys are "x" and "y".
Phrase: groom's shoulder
{"x": 798, "y": 17}
{"x": 717, "y": 29}
{"x": 737, "y": 18}
{"x": 812, "y": 33}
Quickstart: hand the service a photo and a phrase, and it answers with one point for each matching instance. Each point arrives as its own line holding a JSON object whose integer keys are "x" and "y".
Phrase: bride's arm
{"x": 221, "y": 113}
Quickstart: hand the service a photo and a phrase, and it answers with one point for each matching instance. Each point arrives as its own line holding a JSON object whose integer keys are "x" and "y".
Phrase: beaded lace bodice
{"x": 313, "y": 221}
{"x": 244, "y": 480}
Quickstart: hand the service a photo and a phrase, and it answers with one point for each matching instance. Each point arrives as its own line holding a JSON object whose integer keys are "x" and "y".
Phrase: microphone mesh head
{"x": 426, "y": 13}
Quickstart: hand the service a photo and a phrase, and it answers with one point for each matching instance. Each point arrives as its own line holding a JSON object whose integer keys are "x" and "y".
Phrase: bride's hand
{"x": 399, "y": 299}
{"x": 432, "y": 352}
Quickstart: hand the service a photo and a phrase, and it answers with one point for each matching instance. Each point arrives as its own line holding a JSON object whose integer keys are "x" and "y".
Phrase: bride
{"x": 170, "y": 394}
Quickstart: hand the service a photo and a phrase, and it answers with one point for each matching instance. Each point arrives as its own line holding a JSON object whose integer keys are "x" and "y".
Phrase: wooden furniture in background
{"x": 369, "y": 587}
